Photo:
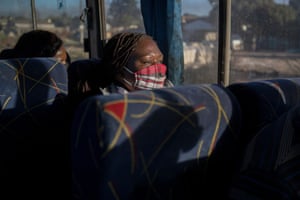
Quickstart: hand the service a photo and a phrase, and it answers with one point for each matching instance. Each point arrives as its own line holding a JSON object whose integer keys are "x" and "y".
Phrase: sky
{"x": 198, "y": 7}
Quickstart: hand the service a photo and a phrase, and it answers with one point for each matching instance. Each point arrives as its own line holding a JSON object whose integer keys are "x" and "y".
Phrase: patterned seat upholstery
{"x": 271, "y": 164}
{"x": 32, "y": 132}
{"x": 264, "y": 101}
{"x": 167, "y": 143}
{"x": 30, "y": 82}
{"x": 28, "y": 88}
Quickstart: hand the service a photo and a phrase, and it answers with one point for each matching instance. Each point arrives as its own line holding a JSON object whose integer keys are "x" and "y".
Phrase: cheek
{"x": 134, "y": 63}
{"x": 129, "y": 77}
{"x": 61, "y": 56}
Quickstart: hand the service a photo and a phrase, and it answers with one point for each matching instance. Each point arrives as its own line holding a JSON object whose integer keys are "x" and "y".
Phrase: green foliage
{"x": 296, "y": 5}
{"x": 283, "y": 14}
{"x": 260, "y": 14}
{"x": 123, "y": 13}
{"x": 260, "y": 18}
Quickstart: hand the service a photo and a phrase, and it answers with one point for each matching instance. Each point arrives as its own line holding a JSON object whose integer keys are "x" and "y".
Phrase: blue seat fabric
{"x": 271, "y": 165}
{"x": 33, "y": 136}
{"x": 264, "y": 101}
{"x": 160, "y": 144}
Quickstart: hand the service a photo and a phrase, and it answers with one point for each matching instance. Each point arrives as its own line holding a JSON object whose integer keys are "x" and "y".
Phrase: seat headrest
{"x": 29, "y": 82}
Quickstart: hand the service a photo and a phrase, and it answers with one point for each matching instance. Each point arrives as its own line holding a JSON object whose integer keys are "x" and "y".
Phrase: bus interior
{"x": 227, "y": 129}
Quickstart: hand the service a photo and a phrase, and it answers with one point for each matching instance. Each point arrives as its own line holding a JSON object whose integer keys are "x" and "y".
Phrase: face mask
{"x": 148, "y": 78}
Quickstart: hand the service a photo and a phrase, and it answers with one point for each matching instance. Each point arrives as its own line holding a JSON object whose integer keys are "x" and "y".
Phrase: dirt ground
{"x": 249, "y": 65}
{"x": 246, "y": 66}
{"x": 281, "y": 63}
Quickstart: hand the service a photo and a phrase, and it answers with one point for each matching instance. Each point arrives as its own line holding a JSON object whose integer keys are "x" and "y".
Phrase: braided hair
{"x": 118, "y": 50}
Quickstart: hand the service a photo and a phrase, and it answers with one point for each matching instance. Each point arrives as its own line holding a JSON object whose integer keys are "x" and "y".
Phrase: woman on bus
{"x": 133, "y": 61}
{"x": 40, "y": 43}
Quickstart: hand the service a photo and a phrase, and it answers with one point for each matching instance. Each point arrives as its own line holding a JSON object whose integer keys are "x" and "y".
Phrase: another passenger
{"x": 41, "y": 43}
{"x": 133, "y": 61}
{"x": 82, "y": 80}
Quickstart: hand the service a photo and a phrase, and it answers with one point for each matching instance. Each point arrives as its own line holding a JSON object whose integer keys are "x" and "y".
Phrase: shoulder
{"x": 113, "y": 88}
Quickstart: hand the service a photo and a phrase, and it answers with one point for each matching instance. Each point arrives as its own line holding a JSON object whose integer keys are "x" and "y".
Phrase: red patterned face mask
{"x": 150, "y": 77}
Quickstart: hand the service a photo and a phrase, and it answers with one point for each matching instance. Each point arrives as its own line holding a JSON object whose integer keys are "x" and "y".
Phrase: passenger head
{"x": 134, "y": 61}
{"x": 40, "y": 43}
{"x": 82, "y": 79}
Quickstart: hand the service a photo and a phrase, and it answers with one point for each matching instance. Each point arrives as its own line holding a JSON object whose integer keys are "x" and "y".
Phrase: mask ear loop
{"x": 128, "y": 70}
{"x": 128, "y": 82}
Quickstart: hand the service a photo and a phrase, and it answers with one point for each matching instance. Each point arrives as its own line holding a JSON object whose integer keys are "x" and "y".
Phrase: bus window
{"x": 265, "y": 39}
{"x": 200, "y": 41}
{"x": 200, "y": 34}
{"x": 61, "y": 17}
{"x": 125, "y": 16}
{"x": 15, "y": 18}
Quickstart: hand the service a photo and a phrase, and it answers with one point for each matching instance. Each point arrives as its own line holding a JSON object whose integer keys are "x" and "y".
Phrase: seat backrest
{"x": 30, "y": 82}
{"x": 156, "y": 144}
{"x": 33, "y": 133}
{"x": 271, "y": 163}
{"x": 264, "y": 101}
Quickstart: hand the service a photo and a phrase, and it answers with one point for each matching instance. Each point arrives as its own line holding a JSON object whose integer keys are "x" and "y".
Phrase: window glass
{"x": 15, "y": 18}
{"x": 200, "y": 35}
{"x": 200, "y": 30}
{"x": 125, "y": 16}
{"x": 60, "y": 16}
{"x": 265, "y": 39}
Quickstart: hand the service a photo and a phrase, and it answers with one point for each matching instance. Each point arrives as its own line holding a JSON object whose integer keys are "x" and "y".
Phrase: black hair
{"x": 37, "y": 43}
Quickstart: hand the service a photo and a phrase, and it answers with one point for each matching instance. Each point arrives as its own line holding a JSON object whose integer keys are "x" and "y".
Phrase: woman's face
{"x": 146, "y": 53}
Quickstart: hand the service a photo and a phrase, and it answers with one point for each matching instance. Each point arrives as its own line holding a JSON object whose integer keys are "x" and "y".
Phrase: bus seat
{"x": 30, "y": 82}
{"x": 271, "y": 164}
{"x": 264, "y": 101}
{"x": 33, "y": 135}
{"x": 159, "y": 144}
